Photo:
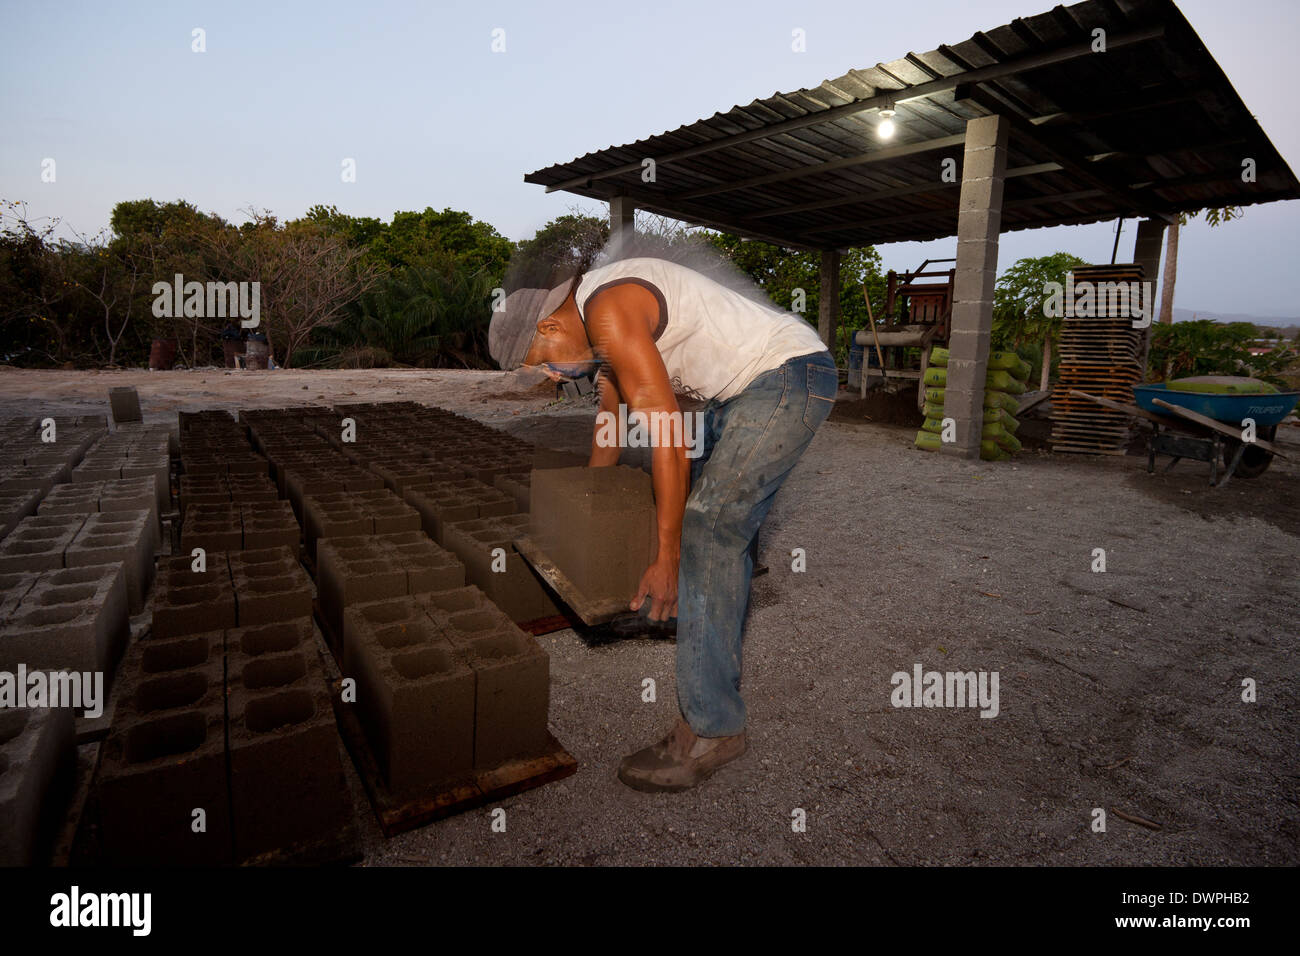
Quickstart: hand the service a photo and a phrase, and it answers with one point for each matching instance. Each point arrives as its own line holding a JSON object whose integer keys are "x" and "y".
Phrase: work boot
{"x": 680, "y": 760}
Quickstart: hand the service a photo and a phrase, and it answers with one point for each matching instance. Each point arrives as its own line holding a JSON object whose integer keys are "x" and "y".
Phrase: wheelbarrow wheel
{"x": 1254, "y": 460}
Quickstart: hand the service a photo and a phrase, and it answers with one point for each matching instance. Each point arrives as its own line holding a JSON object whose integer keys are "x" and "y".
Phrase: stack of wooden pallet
{"x": 1100, "y": 354}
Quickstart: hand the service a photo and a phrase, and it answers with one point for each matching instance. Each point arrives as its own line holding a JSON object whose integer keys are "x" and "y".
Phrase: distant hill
{"x": 1279, "y": 322}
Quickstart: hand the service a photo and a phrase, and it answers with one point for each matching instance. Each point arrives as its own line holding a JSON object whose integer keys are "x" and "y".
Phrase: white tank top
{"x": 714, "y": 340}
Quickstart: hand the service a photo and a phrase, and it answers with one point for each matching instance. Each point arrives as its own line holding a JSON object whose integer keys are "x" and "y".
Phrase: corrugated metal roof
{"x": 1150, "y": 127}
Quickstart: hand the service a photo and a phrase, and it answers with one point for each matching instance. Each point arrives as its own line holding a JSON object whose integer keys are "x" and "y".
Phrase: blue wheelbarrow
{"x": 1209, "y": 426}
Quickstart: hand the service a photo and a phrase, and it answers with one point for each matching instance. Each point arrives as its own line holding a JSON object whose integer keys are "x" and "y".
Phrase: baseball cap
{"x": 514, "y": 327}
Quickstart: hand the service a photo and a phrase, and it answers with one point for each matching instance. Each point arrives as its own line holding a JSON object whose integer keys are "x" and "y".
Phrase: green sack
{"x": 932, "y": 410}
{"x": 1003, "y": 381}
{"x": 996, "y": 399}
{"x": 928, "y": 441}
{"x": 934, "y": 396}
{"x": 932, "y": 425}
{"x": 1022, "y": 370}
{"x": 939, "y": 356}
{"x": 1006, "y": 440}
{"x": 1001, "y": 417}
{"x": 990, "y": 451}
{"x": 936, "y": 376}
{"x": 1006, "y": 361}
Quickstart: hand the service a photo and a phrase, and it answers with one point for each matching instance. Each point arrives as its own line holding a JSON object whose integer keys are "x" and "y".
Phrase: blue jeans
{"x": 751, "y": 443}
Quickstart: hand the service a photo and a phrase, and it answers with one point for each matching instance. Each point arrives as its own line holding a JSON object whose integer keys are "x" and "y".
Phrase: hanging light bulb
{"x": 886, "y": 126}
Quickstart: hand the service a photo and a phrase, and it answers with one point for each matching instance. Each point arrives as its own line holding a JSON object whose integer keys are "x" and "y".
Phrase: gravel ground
{"x": 1120, "y": 691}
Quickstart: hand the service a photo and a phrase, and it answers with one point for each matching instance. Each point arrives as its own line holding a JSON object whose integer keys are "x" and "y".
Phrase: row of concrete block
{"x": 236, "y": 526}
{"x": 446, "y": 684}
{"x": 120, "y": 494}
{"x": 223, "y": 749}
{"x": 229, "y": 589}
{"x": 73, "y": 619}
{"x": 237, "y": 488}
{"x": 50, "y": 541}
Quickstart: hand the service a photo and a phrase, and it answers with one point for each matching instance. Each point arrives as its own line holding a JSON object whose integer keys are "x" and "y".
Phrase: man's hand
{"x": 659, "y": 585}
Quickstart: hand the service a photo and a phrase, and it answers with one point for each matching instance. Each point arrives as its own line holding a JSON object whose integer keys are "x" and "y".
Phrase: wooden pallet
{"x": 399, "y": 813}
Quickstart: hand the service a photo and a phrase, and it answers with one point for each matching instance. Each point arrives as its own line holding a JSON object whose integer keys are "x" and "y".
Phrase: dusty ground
{"x": 1119, "y": 690}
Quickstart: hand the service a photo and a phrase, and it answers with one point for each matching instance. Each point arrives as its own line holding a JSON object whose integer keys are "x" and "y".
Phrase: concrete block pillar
{"x": 1146, "y": 253}
{"x": 622, "y": 223}
{"x": 979, "y": 221}
{"x": 1146, "y": 248}
{"x": 828, "y": 299}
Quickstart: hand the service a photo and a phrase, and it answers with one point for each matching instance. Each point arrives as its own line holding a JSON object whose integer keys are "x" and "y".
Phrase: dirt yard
{"x": 1119, "y": 690}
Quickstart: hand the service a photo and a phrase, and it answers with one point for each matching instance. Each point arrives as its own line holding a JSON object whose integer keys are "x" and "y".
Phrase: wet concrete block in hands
{"x": 597, "y": 525}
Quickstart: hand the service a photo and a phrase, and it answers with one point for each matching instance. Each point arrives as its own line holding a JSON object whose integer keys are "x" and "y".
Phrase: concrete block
{"x": 39, "y": 477}
{"x": 37, "y": 758}
{"x": 14, "y": 586}
{"x": 70, "y": 619}
{"x": 415, "y": 698}
{"x": 165, "y": 757}
{"x": 191, "y": 602}
{"x": 511, "y": 696}
{"x": 134, "y": 494}
{"x": 270, "y": 585}
{"x": 353, "y": 570}
{"x": 517, "y": 486}
{"x": 597, "y": 525}
{"x": 125, "y": 404}
{"x": 212, "y": 527}
{"x": 427, "y": 566}
{"x": 287, "y": 788}
{"x": 517, "y": 590}
{"x": 125, "y": 537}
{"x": 269, "y": 524}
{"x": 15, "y": 505}
{"x": 159, "y": 467}
{"x": 39, "y": 542}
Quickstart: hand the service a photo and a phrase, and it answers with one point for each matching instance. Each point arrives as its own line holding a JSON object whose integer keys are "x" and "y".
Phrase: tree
{"x": 35, "y": 313}
{"x": 1019, "y": 305}
{"x": 1206, "y": 347}
{"x": 109, "y": 276}
{"x": 306, "y": 274}
{"x": 417, "y": 237}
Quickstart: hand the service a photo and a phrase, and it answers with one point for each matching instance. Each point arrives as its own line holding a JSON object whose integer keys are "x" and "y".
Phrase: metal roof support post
{"x": 622, "y": 223}
{"x": 828, "y": 299}
{"x": 979, "y": 222}
{"x": 1146, "y": 253}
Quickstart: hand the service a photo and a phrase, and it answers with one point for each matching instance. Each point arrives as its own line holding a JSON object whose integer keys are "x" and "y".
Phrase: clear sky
{"x": 413, "y": 92}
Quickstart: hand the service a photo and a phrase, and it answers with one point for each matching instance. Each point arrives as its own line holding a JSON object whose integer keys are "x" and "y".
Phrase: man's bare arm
{"x": 620, "y": 321}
